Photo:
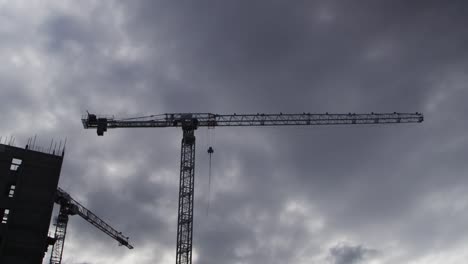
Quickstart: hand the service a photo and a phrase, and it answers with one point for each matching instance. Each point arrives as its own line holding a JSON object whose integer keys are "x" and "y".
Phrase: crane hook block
{"x": 210, "y": 150}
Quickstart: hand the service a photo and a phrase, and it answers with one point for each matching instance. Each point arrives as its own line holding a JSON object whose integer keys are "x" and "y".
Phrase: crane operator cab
{"x": 93, "y": 121}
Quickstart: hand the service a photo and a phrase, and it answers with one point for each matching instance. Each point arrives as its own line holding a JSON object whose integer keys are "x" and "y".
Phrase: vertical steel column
{"x": 186, "y": 187}
{"x": 60, "y": 232}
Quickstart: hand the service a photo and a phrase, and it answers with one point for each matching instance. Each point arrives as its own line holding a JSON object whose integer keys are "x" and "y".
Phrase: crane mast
{"x": 189, "y": 122}
{"x": 186, "y": 196}
{"x": 69, "y": 206}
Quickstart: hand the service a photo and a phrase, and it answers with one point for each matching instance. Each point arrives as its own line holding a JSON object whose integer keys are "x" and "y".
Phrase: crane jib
{"x": 195, "y": 120}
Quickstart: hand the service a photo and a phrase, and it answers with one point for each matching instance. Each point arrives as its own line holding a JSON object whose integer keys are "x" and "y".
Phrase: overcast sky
{"x": 380, "y": 194}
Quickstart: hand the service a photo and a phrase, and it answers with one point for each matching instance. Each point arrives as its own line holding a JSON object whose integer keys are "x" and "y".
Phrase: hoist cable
{"x": 210, "y": 152}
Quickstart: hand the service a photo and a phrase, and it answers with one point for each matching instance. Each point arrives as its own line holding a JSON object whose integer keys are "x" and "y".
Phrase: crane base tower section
{"x": 28, "y": 184}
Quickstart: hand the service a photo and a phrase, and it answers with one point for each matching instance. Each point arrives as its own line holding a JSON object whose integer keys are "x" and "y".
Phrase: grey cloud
{"x": 345, "y": 254}
{"x": 312, "y": 59}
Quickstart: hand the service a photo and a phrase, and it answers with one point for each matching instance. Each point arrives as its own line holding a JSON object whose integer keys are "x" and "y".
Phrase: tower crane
{"x": 69, "y": 206}
{"x": 189, "y": 122}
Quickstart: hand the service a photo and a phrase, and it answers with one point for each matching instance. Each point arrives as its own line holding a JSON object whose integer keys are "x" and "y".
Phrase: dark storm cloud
{"x": 278, "y": 195}
{"x": 345, "y": 254}
{"x": 256, "y": 53}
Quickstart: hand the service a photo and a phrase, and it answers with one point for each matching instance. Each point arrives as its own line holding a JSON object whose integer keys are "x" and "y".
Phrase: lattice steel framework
{"x": 213, "y": 120}
{"x": 69, "y": 206}
{"x": 60, "y": 233}
{"x": 186, "y": 196}
{"x": 191, "y": 121}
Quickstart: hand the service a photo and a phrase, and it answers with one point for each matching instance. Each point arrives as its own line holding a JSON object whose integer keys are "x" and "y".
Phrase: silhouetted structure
{"x": 69, "y": 206}
{"x": 189, "y": 122}
{"x": 28, "y": 185}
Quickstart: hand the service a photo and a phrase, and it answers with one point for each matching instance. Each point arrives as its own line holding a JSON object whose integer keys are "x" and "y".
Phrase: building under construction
{"x": 28, "y": 186}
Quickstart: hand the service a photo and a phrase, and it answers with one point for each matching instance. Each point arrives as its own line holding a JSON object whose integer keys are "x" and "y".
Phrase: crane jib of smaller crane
{"x": 195, "y": 120}
{"x": 73, "y": 207}
{"x": 69, "y": 206}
